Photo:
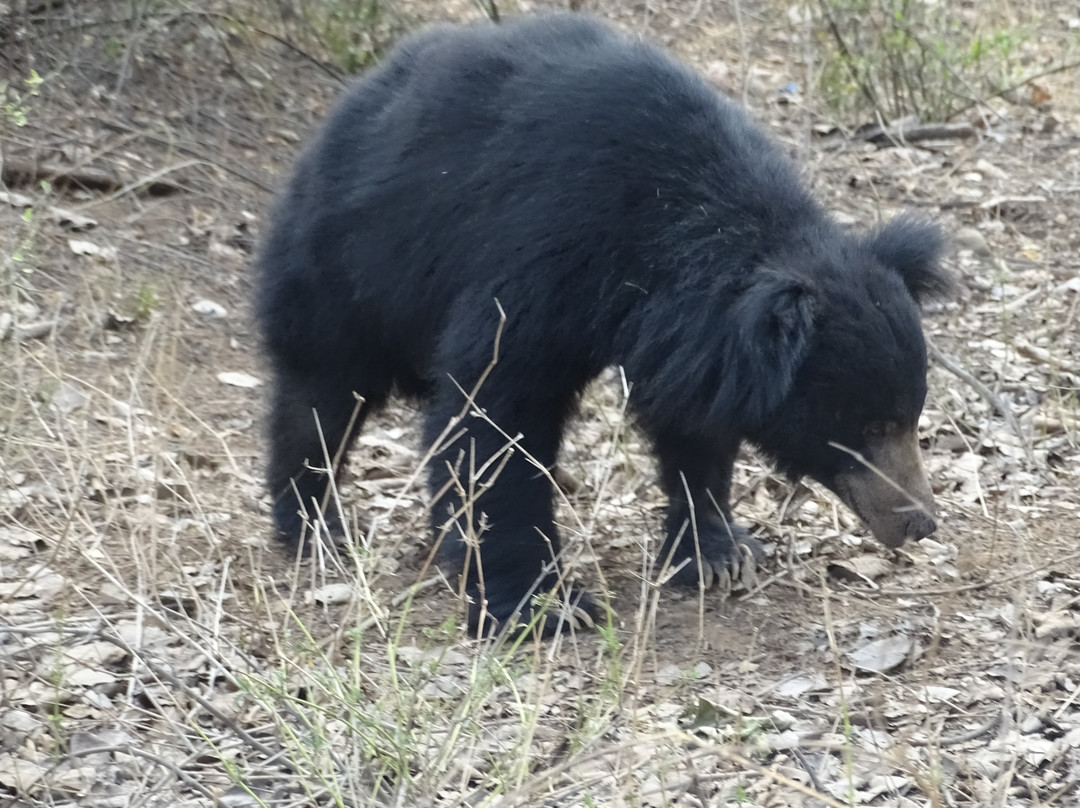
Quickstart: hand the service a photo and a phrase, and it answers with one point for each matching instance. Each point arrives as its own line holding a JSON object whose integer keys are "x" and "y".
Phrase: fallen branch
{"x": 22, "y": 172}
{"x": 905, "y": 131}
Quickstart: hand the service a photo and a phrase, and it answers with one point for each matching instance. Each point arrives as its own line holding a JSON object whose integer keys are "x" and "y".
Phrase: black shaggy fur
{"x": 620, "y": 212}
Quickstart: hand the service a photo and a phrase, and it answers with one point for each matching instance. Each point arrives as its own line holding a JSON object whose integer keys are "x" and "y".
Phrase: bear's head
{"x": 833, "y": 366}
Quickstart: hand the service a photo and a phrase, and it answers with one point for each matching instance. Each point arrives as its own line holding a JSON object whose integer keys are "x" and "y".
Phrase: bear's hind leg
{"x": 493, "y": 513}
{"x": 297, "y": 476}
{"x": 703, "y": 546}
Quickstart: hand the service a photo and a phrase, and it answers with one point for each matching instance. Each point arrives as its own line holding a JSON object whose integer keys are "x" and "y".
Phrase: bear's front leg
{"x": 703, "y": 546}
{"x": 493, "y": 515}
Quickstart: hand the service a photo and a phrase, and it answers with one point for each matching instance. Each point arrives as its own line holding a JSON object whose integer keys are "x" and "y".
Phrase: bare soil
{"x": 140, "y": 587}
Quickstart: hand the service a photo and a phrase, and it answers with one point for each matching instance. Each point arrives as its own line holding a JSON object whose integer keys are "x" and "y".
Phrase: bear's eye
{"x": 876, "y": 429}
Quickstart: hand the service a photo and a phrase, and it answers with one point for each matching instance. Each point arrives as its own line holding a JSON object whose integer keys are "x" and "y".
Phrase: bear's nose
{"x": 920, "y": 525}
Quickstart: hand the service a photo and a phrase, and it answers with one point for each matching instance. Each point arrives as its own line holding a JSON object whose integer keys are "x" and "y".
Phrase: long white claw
{"x": 748, "y": 567}
{"x": 724, "y": 583}
{"x": 582, "y": 619}
{"x": 708, "y": 575}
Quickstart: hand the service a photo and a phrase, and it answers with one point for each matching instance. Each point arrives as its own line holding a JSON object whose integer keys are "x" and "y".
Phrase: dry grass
{"x": 157, "y": 649}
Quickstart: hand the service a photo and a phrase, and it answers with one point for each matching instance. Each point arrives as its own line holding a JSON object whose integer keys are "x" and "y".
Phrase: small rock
{"x": 968, "y": 238}
{"x": 209, "y": 308}
{"x": 330, "y": 594}
{"x": 1030, "y": 724}
{"x": 238, "y": 379}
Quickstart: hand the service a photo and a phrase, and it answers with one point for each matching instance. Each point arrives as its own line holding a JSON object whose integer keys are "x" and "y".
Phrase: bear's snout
{"x": 890, "y": 491}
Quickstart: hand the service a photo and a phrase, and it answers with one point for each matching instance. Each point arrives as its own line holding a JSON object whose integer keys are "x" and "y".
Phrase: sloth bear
{"x": 496, "y": 214}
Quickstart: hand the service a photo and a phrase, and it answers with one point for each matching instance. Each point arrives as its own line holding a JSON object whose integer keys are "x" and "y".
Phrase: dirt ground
{"x": 157, "y": 648}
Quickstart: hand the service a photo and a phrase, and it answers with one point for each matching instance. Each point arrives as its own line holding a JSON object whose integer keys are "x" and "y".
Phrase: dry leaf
{"x": 19, "y": 775}
{"x": 881, "y": 656}
{"x": 862, "y": 569}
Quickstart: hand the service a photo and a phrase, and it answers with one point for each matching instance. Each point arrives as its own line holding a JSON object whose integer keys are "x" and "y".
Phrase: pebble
{"x": 968, "y": 238}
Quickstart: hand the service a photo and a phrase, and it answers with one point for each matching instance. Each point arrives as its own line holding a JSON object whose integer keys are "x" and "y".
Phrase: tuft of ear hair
{"x": 766, "y": 336}
{"x": 912, "y": 247}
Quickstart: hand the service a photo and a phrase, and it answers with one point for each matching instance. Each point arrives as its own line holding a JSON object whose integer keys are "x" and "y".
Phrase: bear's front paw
{"x": 720, "y": 556}
{"x": 560, "y": 610}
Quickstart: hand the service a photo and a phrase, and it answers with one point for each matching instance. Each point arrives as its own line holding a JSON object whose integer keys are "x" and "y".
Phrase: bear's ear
{"x": 912, "y": 247}
{"x": 770, "y": 327}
